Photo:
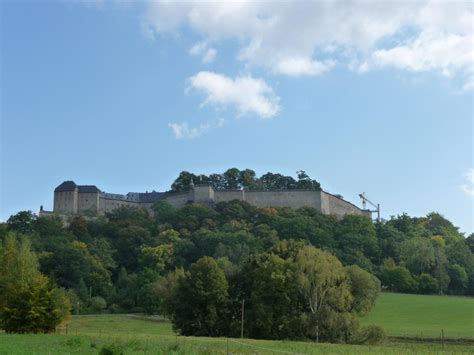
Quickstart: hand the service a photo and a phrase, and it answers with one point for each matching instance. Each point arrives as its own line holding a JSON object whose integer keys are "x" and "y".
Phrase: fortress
{"x": 73, "y": 199}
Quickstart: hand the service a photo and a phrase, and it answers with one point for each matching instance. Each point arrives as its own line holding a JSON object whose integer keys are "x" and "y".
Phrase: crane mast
{"x": 365, "y": 200}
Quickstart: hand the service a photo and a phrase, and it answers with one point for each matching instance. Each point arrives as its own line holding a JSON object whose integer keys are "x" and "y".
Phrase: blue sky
{"x": 125, "y": 96}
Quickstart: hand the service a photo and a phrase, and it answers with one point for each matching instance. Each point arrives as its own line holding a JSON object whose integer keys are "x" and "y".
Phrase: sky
{"x": 364, "y": 96}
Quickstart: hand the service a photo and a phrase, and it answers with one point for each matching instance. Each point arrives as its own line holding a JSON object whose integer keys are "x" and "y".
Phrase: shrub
{"x": 371, "y": 335}
{"x": 98, "y": 304}
{"x": 112, "y": 349}
{"x": 427, "y": 284}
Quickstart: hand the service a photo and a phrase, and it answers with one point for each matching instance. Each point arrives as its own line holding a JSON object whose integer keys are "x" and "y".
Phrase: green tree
{"x": 202, "y": 299}
{"x": 326, "y": 290}
{"x": 29, "y": 302}
{"x": 22, "y": 222}
{"x": 364, "y": 288}
{"x": 156, "y": 258}
{"x": 357, "y": 241}
{"x": 440, "y": 271}
{"x": 470, "y": 242}
{"x": 396, "y": 278}
{"x": 305, "y": 182}
{"x": 271, "y": 296}
{"x": 427, "y": 284}
{"x": 458, "y": 279}
{"x": 247, "y": 179}
{"x": 182, "y": 182}
{"x": 232, "y": 179}
{"x": 164, "y": 211}
{"x": 418, "y": 255}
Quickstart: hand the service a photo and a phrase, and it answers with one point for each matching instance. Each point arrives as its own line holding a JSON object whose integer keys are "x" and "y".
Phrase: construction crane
{"x": 364, "y": 202}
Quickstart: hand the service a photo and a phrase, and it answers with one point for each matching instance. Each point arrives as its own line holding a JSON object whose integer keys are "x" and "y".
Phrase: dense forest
{"x": 212, "y": 259}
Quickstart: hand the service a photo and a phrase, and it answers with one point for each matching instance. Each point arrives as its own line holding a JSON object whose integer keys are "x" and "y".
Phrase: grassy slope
{"x": 415, "y": 314}
{"x": 136, "y": 336}
{"x": 420, "y": 315}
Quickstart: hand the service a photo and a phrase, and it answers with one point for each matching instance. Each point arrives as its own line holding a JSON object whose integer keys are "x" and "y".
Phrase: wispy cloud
{"x": 468, "y": 187}
{"x": 298, "y": 66}
{"x": 246, "y": 94}
{"x": 286, "y": 38}
{"x": 183, "y": 131}
{"x": 207, "y": 54}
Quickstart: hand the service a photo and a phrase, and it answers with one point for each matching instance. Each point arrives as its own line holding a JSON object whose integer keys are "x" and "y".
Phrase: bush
{"x": 371, "y": 335}
{"x": 427, "y": 284}
{"x": 98, "y": 304}
{"x": 112, "y": 349}
{"x": 114, "y": 308}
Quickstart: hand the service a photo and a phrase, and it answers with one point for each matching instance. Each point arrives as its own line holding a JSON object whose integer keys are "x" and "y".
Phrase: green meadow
{"x": 399, "y": 314}
{"x": 423, "y": 316}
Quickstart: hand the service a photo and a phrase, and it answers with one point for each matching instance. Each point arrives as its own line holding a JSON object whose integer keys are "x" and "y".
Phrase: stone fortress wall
{"x": 70, "y": 198}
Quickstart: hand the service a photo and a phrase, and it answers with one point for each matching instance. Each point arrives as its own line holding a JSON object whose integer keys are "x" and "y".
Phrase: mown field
{"x": 423, "y": 316}
{"x": 134, "y": 335}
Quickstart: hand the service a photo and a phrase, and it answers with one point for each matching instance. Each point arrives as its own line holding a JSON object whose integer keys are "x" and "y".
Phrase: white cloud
{"x": 183, "y": 131}
{"x": 468, "y": 188}
{"x": 302, "y": 66}
{"x": 245, "y": 93}
{"x": 447, "y": 53}
{"x": 208, "y": 55}
{"x": 285, "y": 37}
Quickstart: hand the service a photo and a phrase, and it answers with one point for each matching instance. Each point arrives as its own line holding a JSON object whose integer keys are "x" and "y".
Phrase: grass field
{"x": 423, "y": 316}
{"x": 133, "y": 335}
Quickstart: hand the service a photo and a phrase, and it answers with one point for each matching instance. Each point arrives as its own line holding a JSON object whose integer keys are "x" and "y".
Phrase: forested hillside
{"x": 128, "y": 261}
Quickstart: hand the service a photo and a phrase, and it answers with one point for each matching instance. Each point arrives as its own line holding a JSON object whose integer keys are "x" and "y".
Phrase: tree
{"x": 470, "y": 242}
{"x": 325, "y": 287}
{"x": 270, "y": 290}
{"x": 164, "y": 211}
{"x": 167, "y": 289}
{"x": 156, "y": 258}
{"x": 427, "y": 284}
{"x": 357, "y": 241}
{"x": 202, "y": 298}
{"x": 364, "y": 288}
{"x": 418, "y": 255}
{"x": 438, "y": 225}
{"x": 22, "y": 222}
{"x": 29, "y": 302}
{"x": 182, "y": 182}
{"x": 232, "y": 179}
{"x": 305, "y": 182}
{"x": 458, "y": 278}
{"x": 440, "y": 271}
{"x": 396, "y": 278}
{"x": 389, "y": 239}
{"x": 247, "y": 179}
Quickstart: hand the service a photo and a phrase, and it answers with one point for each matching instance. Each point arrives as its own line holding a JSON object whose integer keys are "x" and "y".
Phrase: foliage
{"x": 29, "y": 303}
{"x": 136, "y": 262}
{"x": 234, "y": 178}
{"x": 201, "y": 300}
{"x": 365, "y": 289}
{"x": 396, "y": 278}
{"x": 371, "y": 335}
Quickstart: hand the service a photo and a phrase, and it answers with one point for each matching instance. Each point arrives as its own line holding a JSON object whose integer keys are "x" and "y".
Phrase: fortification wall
{"x": 293, "y": 199}
{"x": 88, "y": 201}
{"x": 228, "y": 195}
{"x": 109, "y": 204}
{"x": 333, "y": 205}
{"x": 203, "y": 194}
{"x": 178, "y": 200}
{"x": 65, "y": 201}
{"x": 72, "y": 202}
